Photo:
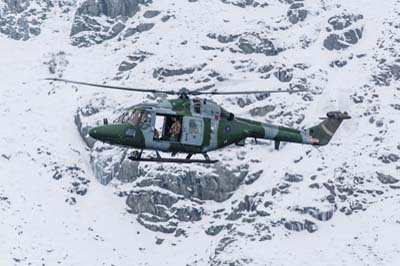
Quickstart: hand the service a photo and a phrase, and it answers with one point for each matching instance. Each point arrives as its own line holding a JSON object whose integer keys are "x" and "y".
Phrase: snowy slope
{"x": 336, "y": 205}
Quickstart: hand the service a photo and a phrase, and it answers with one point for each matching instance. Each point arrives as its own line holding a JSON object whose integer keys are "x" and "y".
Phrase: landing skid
{"x": 138, "y": 157}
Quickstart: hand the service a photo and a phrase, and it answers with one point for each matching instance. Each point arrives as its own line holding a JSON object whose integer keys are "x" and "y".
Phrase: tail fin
{"x": 322, "y": 133}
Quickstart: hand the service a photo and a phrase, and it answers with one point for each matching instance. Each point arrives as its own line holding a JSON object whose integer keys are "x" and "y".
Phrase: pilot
{"x": 175, "y": 128}
{"x": 156, "y": 134}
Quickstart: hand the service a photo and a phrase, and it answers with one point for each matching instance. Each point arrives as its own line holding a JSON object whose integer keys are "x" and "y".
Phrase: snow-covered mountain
{"x": 68, "y": 200}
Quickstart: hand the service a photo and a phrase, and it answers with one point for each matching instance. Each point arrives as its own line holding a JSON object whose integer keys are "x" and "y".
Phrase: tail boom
{"x": 318, "y": 135}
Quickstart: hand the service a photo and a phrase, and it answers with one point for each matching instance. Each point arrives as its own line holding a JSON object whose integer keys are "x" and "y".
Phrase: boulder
{"x": 386, "y": 179}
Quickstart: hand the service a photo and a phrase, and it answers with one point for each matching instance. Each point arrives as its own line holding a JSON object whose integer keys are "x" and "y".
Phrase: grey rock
{"x": 129, "y": 32}
{"x": 294, "y": 226}
{"x": 153, "y": 218}
{"x": 242, "y": 102}
{"x": 234, "y": 215}
{"x": 223, "y": 243}
{"x": 180, "y": 232}
{"x": 22, "y": 19}
{"x": 187, "y": 214}
{"x": 128, "y": 171}
{"x": 393, "y": 157}
{"x": 297, "y": 15}
{"x": 117, "y": 28}
{"x": 125, "y": 66}
{"x": 144, "y": 27}
{"x": 338, "y": 40}
{"x": 318, "y": 214}
{"x": 223, "y": 38}
{"x": 151, "y": 13}
{"x": 83, "y": 129}
{"x": 253, "y": 43}
{"x": 386, "y": 179}
{"x": 167, "y": 228}
{"x": 214, "y": 230}
{"x": 218, "y": 185}
{"x": 284, "y": 74}
{"x": 153, "y": 202}
{"x": 352, "y": 36}
{"x": 162, "y": 72}
{"x": 334, "y": 42}
{"x": 109, "y": 8}
{"x": 293, "y": 177}
{"x": 343, "y": 21}
{"x": 338, "y": 63}
{"x": 300, "y": 226}
{"x": 265, "y": 69}
{"x": 87, "y": 29}
{"x": 262, "y": 111}
{"x": 251, "y": 178}
{"x": 166, "y": 18}
{"x": 395, "y": 71}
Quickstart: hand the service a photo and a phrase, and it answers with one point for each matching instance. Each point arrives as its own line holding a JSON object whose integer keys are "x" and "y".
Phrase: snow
{"x": 37, "y": 133}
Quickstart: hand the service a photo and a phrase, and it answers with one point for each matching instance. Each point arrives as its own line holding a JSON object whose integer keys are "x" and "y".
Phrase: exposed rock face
{"x": 88, "y": 27}
{"x": 21, "y": 19}
{"x": 109, "y": 8}
{"x": 217, "y": 185}
{"x": 342, "y": 38}
{"x": 157, "y": 210}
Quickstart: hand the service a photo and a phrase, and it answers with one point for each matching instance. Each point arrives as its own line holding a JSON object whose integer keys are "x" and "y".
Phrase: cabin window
{"x": 159, "y": 127}
{"x": 197, "y": 105}
{"x": 194, "y": 127}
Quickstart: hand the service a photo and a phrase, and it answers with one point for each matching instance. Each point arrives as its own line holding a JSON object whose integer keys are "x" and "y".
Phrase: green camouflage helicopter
{"x": 197, "y": 126}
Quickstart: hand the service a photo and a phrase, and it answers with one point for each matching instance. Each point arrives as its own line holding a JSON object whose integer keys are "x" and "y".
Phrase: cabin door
{"x": 192, "y": 130}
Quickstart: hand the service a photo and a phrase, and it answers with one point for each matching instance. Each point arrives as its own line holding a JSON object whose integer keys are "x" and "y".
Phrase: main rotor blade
{"x": 242, "y": 92}
{"x": 111, "y": 87}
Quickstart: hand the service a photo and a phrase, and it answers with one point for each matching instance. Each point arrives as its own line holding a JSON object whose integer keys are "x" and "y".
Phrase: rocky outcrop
{"x": 218, "y": 185}
{"x": 297, "y": 13}
{"x": 246, "y": 43}
{"x": 254, "y": 43}
{"x": 22, "y": 19}
{"x": 344, "y": 35}
{"x": 245, "y": 3}
{"x": 160, "y": 211}
{"x": 130, "y": 63}
{"x": 300, "y": 226}
{"x": 90, "y": 28}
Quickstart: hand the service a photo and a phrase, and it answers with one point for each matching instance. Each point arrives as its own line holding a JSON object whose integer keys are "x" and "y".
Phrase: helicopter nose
{"x": 104, "y": 133}
{"x": 120, "y": 134}
{"x": 95, "y": 133}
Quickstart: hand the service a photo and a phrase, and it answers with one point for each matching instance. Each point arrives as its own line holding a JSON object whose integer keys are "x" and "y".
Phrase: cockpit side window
{"x": 123, "y": 118}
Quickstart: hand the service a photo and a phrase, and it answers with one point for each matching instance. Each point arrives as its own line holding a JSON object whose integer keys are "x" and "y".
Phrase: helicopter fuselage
{"x": 203, "y": 126}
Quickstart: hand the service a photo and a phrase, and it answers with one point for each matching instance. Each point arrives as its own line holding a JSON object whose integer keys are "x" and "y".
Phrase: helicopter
{"x": 197, "y": 126}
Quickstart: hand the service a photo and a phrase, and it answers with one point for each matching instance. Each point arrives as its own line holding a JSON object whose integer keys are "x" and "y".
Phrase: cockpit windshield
{"x": 135, "y": 117}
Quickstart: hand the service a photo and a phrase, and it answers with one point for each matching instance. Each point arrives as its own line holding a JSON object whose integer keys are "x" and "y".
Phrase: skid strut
{"x": 138, "y": 157}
